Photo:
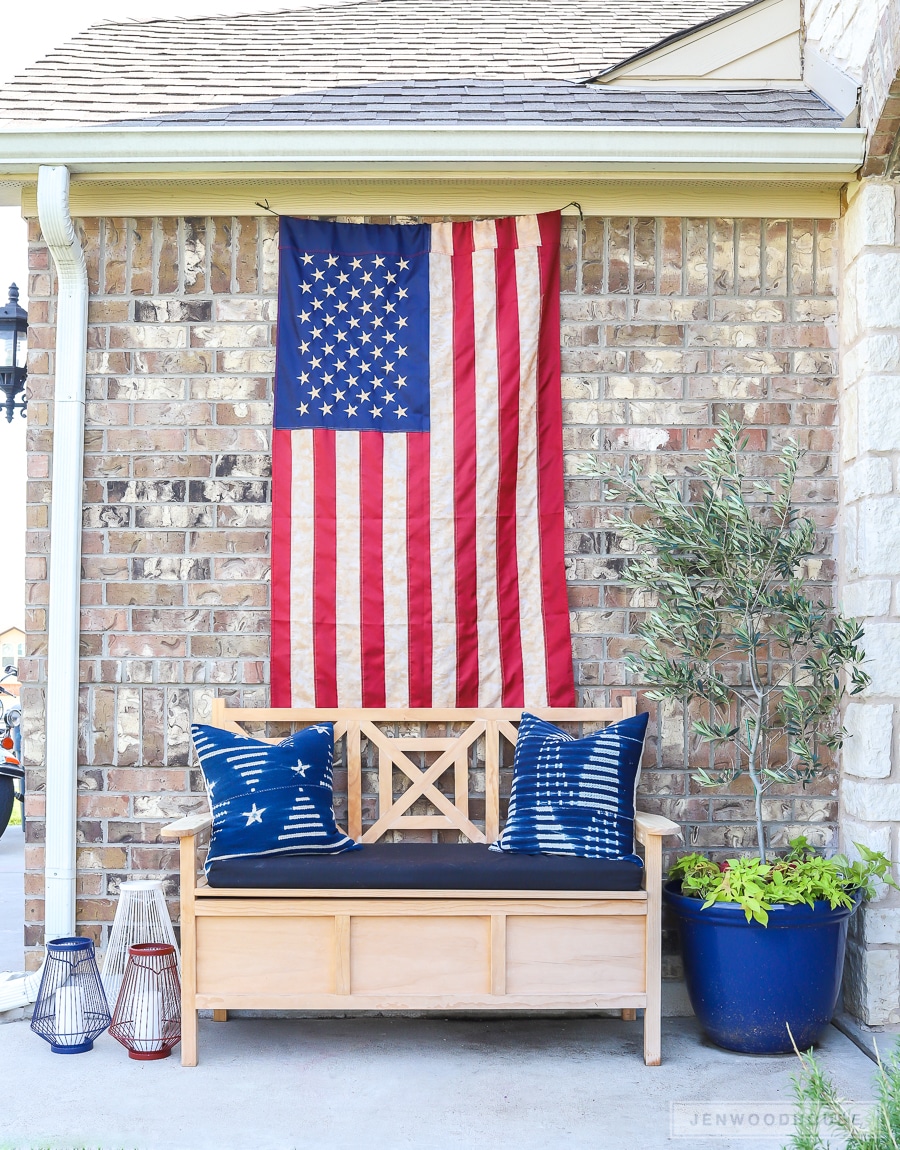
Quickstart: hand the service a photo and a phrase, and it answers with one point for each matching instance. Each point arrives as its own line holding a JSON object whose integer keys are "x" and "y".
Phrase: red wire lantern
{"x": 147, "y": 1018}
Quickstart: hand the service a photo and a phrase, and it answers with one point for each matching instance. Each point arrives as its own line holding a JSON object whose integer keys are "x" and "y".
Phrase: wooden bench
{"x": 439, "y": 950}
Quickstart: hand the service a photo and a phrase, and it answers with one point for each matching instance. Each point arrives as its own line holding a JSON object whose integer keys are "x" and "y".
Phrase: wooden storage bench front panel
{"x": 599, "y": 957}
{"x": 416, "y": 957}
{"x": 420, "y": 953}
{"x": 247, "y": 957}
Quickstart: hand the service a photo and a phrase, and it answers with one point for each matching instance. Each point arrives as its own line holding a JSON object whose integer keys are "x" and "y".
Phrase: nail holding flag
{"x": 417, "y": 553}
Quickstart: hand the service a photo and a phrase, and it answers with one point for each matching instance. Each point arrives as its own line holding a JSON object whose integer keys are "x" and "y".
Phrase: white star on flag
{"x": 254, "y": 815}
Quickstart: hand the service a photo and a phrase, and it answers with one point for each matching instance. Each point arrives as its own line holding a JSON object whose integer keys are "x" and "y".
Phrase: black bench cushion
{"x": 425, "y": 866}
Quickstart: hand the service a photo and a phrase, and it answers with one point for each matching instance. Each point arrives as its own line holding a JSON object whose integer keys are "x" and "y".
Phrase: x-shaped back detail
{"x": 392, "y": 815}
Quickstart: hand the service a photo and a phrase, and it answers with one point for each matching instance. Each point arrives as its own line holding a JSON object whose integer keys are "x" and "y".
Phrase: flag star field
{"x": 358, "y": 357}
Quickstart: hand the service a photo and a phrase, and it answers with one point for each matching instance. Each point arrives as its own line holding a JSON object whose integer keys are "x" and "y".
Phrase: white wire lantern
{"x": 141, "y": 916}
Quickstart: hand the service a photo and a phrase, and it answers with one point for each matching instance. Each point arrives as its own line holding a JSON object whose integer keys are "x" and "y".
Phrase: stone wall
{"x": 843, "y": 30}
{"x": 666, "y": 323}
{"x": 862, "y": 38}
{"x": 870, "y": 572}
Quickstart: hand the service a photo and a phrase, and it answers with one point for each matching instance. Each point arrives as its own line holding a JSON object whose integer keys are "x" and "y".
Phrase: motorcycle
{"x": 11, "y": 770}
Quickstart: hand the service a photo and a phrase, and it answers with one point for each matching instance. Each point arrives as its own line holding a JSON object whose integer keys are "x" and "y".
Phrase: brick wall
{"x": 666, "y": 323}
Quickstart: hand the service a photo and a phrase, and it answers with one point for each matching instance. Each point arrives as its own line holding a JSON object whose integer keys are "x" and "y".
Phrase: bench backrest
{"x": 467, "y": 731}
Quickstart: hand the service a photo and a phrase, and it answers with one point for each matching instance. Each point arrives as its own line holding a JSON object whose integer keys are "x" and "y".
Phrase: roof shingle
{"x": 132, "y": 71}
{"x": 511, "y": 102}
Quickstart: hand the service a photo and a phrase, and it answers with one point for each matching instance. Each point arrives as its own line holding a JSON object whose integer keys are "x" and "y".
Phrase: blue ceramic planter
{"x": 748, "y": 983}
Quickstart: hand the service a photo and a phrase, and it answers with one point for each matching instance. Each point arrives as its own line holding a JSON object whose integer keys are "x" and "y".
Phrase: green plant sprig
{"x": 819, "y": 1105}
{"x": 801, "y": 876}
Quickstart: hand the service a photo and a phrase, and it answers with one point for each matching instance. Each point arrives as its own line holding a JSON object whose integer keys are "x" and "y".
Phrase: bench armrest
{"x": 187, "y": 827}
{"x": 647, "y": 826}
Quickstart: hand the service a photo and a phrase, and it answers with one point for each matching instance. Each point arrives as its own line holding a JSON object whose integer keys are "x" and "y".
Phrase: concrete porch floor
{"x": 382, "y": 1083}
{"x": 434, "y": 1084}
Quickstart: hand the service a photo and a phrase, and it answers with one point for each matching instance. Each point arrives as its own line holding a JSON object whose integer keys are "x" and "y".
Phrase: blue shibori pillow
{"x": 270, "y": 799}
{"x": 574, "y": 796}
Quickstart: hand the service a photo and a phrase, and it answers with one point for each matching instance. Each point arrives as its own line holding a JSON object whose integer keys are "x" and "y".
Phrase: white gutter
{"x": 305, "y": 148}
{"x": 61, "y": 752}
{"x": 61, "y": 708}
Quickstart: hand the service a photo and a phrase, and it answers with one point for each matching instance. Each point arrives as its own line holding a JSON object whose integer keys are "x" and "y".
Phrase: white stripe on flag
{"x": 396, "y": 583}
{"x": 443, "y": 517}
{"x": 484, "y": 235}
{"x": 442, "y": 238}
{"x": 528, "y": 232}
{"x": 303, "y": 685}
{"x": 487, "y": 474}
{"x": 347, "y": 600}
{"x": 528, "y": 528}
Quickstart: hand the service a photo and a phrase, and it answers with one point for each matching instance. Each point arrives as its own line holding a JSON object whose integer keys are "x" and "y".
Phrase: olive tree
{"x": 735, "y": 624}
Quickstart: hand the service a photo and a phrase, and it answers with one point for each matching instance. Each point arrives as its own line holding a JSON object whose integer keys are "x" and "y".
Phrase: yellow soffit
{"x": 758, "y": 46}
{"x": 774, "y": 196}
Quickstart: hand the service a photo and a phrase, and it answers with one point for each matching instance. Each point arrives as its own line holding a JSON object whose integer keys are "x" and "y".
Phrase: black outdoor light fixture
{"x": 13, "y": 353}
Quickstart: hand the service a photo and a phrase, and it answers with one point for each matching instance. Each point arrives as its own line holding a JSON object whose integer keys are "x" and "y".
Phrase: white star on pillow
{"x": 254, "y": 815}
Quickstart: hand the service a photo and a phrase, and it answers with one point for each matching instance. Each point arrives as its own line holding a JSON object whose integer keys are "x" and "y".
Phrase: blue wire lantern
{"x": 71, "y": 1008}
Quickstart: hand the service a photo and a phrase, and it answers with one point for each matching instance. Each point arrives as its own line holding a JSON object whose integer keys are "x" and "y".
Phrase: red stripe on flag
{"x": 509, "y": 370}
{"x": 418, "y": 561}
{"x": 371, "y": 569}
{"x": 325, "y": 569}
{"x": 551, "y": 495}
{"x": 281, "y": 569}
{"x": 464, "y": 467}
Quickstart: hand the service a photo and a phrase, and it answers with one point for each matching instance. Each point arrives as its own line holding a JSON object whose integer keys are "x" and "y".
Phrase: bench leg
{"x": 220, "y": 1016}
{"x": 652, "y": 1036}
{"x": 188, "y": 852}
{"x": 189, "y": 1038}
{"x": 653, "y": 967}
{"x": 629, "y": 1014}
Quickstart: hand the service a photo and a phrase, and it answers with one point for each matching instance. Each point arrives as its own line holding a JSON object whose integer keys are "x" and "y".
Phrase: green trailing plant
{"x": 821, "y": 1110}
{"x": 801, "y": 876}
{"x": 734, "y": 627}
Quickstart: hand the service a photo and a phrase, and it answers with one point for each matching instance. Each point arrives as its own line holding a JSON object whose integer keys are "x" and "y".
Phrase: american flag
{"x": 417, "y": 553}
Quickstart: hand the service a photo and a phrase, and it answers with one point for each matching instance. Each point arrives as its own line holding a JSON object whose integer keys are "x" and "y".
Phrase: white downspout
{"x": 61, "y": 709}
{"x": 61, "y": 753}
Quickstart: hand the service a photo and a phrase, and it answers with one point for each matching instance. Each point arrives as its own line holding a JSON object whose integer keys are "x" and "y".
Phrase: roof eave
{"x": 307, "y": 149}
